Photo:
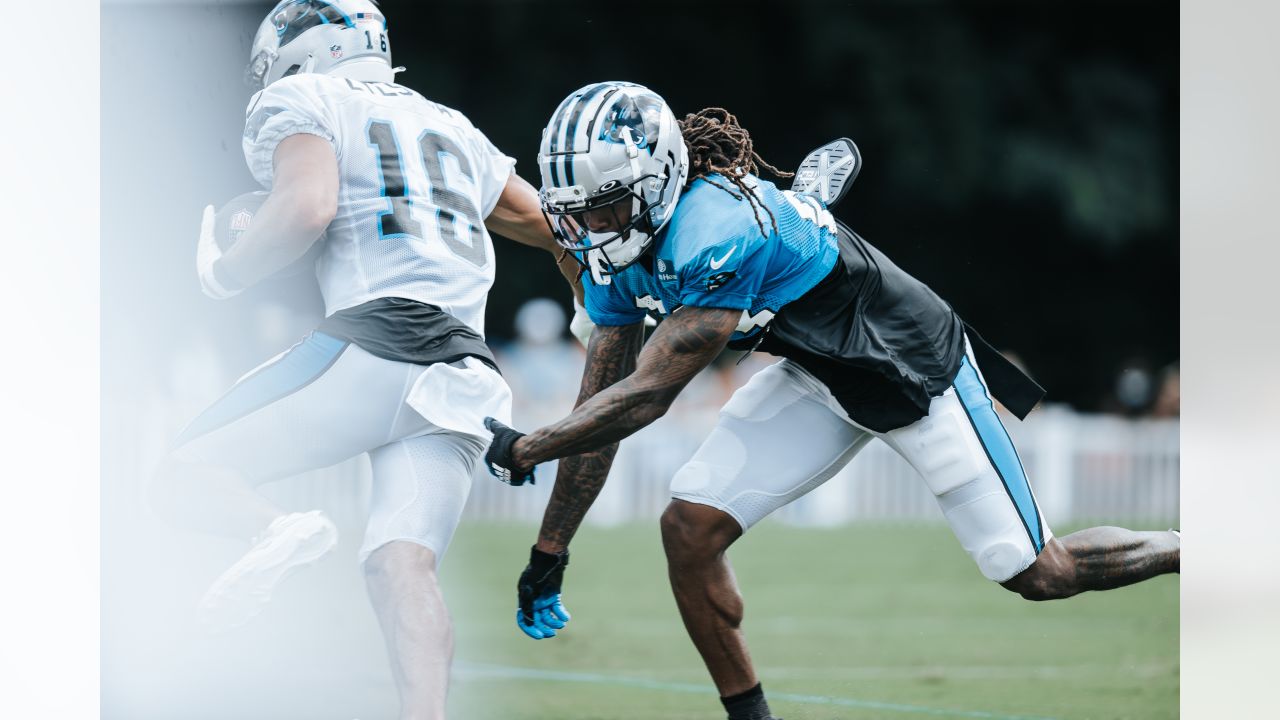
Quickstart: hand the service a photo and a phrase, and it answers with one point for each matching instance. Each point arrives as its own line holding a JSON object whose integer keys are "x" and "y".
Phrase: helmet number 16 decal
{"x": 368, "y": 41}
{"x": 398, "y": 221}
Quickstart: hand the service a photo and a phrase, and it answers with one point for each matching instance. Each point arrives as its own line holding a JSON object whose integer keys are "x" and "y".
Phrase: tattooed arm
{"x": 611, "y": 356}
{"x": 683, "y": 344}
{"x": 615, "y": 404}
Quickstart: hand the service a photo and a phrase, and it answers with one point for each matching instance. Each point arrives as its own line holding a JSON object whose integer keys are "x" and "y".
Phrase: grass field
{"x": 854, "y": 623}
{"x": 857, "y": 622}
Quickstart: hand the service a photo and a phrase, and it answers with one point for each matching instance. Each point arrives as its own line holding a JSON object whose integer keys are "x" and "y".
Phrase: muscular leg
{"x": 695, "y": 538}
{"x": 965, "y": 456}
{"x": 404, "y": 590}
{"x": 420, "y": 486}
{"x": 778, "y": 438}
{"x": 1099, "y": 558}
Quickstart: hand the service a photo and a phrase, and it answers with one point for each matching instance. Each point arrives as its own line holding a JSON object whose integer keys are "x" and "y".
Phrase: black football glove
{"x": 498, "y": 457}
{"x": 540, "y": 613}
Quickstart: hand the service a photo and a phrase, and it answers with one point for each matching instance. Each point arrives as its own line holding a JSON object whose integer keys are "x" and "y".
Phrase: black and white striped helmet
{"x": 608, "y": 143}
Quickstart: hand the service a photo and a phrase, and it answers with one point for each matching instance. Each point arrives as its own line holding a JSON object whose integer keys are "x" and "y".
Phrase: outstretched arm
{"x": 683, "y": 345}
{"x": 611, "y": 356}
{"x": 518, "y": 216}
{"x": 613, "y": 404}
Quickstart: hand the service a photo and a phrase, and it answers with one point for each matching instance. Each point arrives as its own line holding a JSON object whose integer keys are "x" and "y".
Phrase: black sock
{"x": 749, "y": 705}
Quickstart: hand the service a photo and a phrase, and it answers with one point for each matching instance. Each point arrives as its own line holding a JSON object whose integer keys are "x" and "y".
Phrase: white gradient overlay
{"x": 49, "y": 507}
{"x": 1230, "y": 351}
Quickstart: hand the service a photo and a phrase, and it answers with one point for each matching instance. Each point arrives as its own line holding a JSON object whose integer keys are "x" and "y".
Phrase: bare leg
{"x": 1099, "y": 558}
{"x": 402, "y": 583}
{"x": 695, "y": 538}
{"x": 214, "y": 500}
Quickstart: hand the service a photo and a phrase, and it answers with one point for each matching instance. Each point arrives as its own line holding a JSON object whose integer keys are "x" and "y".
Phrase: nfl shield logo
{"x": 335, "y": 51}
{"x": 240, "y": 221}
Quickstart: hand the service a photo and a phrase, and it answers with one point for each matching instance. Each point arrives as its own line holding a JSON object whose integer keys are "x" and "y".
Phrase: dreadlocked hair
{"x": 718, "y": 145}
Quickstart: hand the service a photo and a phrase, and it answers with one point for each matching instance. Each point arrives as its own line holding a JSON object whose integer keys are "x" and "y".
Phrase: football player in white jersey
{"x": 404, "y": 193}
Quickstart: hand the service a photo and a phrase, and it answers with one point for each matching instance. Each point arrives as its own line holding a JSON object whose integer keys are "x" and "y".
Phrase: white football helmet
{"x": 607, "y": 143}
{"x": 347, "y": 38}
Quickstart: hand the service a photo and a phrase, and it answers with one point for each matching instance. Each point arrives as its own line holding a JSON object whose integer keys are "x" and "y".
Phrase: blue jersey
{"x": 712, "y": 254}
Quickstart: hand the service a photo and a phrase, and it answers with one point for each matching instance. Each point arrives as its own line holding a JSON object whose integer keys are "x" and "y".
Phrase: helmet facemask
{"x": 611, "y": 148}
{"x": 628, "y": 234}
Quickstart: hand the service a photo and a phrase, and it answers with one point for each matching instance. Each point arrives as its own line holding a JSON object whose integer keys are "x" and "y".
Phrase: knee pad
{"x": 1002, "y": 560}
{"x": 706, "y": 483}
{"x": 989, "y": 528}
{"x": 713, "y": 468}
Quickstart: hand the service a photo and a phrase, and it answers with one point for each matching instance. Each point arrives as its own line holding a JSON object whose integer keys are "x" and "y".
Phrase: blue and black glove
{"x": 498, "y": 457}
{"x": 540, "y": 613}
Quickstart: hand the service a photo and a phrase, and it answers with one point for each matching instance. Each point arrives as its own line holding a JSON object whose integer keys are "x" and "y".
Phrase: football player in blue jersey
{"x": 671, "y": 220}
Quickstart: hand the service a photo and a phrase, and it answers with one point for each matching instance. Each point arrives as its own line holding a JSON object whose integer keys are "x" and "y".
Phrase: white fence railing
{"x": 1083, "y": 468}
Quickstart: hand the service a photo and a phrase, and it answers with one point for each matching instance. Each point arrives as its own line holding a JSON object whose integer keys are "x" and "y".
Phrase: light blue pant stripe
{"x": 995, "y": 440}
{"x": 295, "y": 369}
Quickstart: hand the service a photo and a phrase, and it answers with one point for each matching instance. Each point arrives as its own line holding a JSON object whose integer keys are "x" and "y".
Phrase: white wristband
{"x": 581, "y": 325}
{"x": 208, "y": 253}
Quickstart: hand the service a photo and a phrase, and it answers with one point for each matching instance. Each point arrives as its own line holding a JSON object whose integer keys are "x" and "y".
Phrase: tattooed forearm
{"x": 578, "y": 482}
{"x": 683, "y": 345}
{"x": 611, "y": 356}
{"x": 613, "y": 403}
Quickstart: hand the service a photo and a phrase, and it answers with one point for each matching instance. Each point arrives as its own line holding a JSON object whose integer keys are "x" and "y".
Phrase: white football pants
{"x": 784, "y": 434}
{"x": 326, "y": 400}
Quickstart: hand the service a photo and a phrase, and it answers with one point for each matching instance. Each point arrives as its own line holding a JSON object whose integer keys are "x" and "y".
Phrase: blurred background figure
{"x": 1134, "y": 390}
{"x": 1169, "y": 395}
{"x": 543, "y": 364}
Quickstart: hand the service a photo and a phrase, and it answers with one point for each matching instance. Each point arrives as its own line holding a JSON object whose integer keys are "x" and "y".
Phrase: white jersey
{"x": 416, "y": 181}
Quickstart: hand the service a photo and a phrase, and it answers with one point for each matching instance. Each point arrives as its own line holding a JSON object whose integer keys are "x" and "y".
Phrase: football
{"x": 235, "y": 217}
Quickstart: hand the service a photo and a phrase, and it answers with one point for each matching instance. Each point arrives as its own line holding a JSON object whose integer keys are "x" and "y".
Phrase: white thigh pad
{"x": 942, "y": 447}
{"x": 947, "y": 451}
{"x": 777, "y": 439}
{"x": 767, "y": 393}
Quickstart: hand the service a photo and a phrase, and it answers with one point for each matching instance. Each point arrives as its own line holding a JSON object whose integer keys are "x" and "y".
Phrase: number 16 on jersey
{"x": 450, "y": 205}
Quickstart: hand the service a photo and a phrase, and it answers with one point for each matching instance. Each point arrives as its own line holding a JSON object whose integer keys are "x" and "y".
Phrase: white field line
{"x": 470, "y": 671}
{"x": 968, "y": 672}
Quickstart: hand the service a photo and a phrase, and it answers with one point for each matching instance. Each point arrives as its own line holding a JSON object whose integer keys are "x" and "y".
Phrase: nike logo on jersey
{"x": 716, "y": 264}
